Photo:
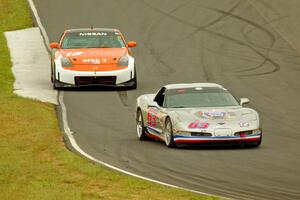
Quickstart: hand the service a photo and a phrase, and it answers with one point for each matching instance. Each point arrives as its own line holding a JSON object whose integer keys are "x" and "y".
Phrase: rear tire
{"x": 168, "y": 132}
{"x": 140, "y": 128}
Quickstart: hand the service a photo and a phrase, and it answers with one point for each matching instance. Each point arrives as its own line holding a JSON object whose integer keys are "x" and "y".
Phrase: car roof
{"x": 191, "y": 85}
{"x": 93, "y": 29}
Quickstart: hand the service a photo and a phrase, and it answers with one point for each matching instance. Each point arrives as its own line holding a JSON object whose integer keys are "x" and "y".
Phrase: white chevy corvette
{"x": 197, "y": 113}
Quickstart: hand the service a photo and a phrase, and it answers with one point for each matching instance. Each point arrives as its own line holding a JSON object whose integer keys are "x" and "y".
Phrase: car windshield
{"x": 199, "y": 97}
{"x": 93, "y": 39}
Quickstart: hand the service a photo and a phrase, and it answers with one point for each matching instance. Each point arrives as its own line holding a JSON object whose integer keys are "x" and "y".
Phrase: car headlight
{"x": 123, "y": 61}
{"x": 66, "y": 62}
{"x": 256, "y": 132}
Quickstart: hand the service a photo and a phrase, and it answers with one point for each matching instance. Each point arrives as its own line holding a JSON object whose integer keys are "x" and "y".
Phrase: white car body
{"x": 204, "y": 125}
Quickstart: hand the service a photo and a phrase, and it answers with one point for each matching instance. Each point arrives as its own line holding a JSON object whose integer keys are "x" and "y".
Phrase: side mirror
{"x": 153, "y": 104}
{"x": 131, "y": 44}
{"x": 244, "y": 101}
{"x": 54, "y": 45}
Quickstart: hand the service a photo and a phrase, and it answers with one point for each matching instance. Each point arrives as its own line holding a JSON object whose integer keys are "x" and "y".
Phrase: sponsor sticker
{"x": 244, "y": 124}
{"x": 199, "y": 114}
{"x": 217, "y": 114}
{"x": 78, "y": 53}
{"x": 91, "y": 60}
{"x": 95, "y": 68}
{"x": 92, "y": 33}
{"x": 231, "y": 114}
{"x": 180, "y": 90}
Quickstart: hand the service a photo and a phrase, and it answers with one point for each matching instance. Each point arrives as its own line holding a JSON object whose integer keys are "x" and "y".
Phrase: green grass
{"x": 34, "y": 163}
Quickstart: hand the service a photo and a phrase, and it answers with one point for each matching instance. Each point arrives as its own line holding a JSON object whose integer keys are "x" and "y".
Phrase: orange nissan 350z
{"x": 92, "y": 57}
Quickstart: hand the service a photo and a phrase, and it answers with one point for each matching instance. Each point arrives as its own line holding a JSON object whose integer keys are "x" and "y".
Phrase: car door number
{"x": 151, "y": 118}
{"x": 198, "y": 125}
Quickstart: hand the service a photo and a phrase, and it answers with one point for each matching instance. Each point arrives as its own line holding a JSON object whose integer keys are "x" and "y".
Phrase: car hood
{"x": 208, "y": 119}
{"x": 94, "y": 56}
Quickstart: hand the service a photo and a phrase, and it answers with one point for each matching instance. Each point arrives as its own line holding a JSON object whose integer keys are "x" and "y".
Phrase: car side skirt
{"x": 154, "y": 133}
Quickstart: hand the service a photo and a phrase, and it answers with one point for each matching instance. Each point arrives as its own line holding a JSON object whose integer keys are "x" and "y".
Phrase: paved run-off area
{"x": 31, "y": 65}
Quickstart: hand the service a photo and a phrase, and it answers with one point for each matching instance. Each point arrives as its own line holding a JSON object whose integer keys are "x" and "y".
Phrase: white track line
{"x": 75, "y": 145}
{"x": 38, "y": 21}
{"x": 68, "y": 131}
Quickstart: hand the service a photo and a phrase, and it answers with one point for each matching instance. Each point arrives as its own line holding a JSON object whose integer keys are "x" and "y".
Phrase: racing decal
{"x": 151, "y": 117}
{"x": 91, "y": 60}
{"x": 199, "y": 114}
{"x": 74, "y": 53}
{"x": 92, "y": 34}
{"x": 231, "y": 114}
{"x": 198, "y": 125}
{"x": 95, "y": 68}
{"x": 215, "y": 115}
{"x": 244, "y": 124}
{"x": 180, "y": 90}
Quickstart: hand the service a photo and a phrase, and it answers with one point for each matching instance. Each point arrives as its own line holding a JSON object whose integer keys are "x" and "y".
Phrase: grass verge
{"x": 34, "y": 163}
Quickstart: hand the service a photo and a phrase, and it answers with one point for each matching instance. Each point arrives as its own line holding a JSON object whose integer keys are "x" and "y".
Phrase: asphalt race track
{"x": 226, "y": 42}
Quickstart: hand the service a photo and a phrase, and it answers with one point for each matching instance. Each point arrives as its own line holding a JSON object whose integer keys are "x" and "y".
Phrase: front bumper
{"x": 129, "y": 83}
{"x": 216, "y": 140}
{"x": 68, "y": 77}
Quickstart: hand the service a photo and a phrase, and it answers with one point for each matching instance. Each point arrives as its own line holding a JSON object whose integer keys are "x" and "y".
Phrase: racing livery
{"x": 197, "y": 113}
{"x": 92, "y": 57}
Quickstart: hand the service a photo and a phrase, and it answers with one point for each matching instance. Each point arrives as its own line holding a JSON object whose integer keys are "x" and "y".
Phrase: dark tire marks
{"x": 174, "y": 46}
{"x": 224, "y": 14}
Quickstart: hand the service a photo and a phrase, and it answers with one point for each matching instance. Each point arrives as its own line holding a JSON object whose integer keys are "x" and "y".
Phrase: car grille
{"x": 94, "y": 80}
{"x": 200, "y": 134}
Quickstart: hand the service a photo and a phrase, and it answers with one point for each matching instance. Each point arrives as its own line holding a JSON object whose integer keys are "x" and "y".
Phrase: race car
{"x": 92, "y": 57}
{"x": 197, "y": 113}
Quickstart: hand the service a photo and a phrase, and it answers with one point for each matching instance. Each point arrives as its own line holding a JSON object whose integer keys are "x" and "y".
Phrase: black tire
{"x": 254, "y": 144}
{"x": 141, "y": 132}
{"x": 134, "y": 86}
{"x": 54, "y": 81}
{"x": 51, "y": 71}
{"x": 168, "y": 132}
{"x": 52, "y": 75}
